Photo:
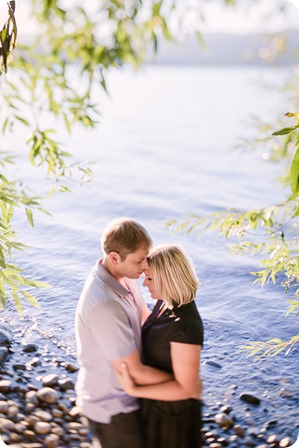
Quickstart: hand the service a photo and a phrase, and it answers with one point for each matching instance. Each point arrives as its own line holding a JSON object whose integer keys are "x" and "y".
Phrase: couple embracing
{"x": 138, "y": 384}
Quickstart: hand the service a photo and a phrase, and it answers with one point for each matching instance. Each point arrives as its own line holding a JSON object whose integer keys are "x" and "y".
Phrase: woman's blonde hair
{"x": 174, "y": 275}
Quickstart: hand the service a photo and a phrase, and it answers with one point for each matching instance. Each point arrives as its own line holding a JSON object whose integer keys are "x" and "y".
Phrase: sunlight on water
{"x": 161, "y": 152}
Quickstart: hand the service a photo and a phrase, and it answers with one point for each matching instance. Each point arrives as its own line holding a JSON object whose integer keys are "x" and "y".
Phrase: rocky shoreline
{"x": 37, "y": 404}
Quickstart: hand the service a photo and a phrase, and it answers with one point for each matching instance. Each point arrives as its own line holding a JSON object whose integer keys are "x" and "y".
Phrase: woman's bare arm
{"x": 185, "y": 363}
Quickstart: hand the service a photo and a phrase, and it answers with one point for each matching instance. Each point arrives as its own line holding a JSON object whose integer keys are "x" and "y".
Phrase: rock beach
{"x": 38, "y": 408}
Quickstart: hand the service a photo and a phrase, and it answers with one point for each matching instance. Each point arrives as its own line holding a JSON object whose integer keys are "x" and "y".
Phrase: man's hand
{"x": 125, "y": 379}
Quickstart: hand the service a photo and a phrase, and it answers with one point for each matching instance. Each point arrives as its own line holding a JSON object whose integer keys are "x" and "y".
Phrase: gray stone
{"x": 50, "y": 380}
{"x": 5, "y": 335}
{"x": 249, "y": 398}
{"x": 286, "y": 442}
{"x": 47, "y": 395}
{"x": 223, "y": 420}
{"x": 66, "y": 383}
{"x": 213, "y": 364}
{"x": 28, "y": 348}
{"x": 5, "y": 386}
{"x": 3, "y": 354}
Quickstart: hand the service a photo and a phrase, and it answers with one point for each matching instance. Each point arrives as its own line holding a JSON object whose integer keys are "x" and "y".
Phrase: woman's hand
{"x": 125, "y": 379}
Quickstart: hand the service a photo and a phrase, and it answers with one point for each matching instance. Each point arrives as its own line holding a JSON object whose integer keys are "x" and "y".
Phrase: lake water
{"x": 161, "y": 152}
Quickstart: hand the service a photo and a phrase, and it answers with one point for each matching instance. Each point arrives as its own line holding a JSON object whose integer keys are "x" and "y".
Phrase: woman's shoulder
{"x": 187, "y": 326}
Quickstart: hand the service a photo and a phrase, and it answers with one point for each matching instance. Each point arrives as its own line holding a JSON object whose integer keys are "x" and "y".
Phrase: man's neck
{"x": 109, "y": 268}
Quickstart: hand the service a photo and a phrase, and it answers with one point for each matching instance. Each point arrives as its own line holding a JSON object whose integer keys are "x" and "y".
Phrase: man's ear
{"x": 114, "y": 258}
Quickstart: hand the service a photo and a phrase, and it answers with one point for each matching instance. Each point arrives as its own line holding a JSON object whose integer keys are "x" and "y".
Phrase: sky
{"x": 241, "y": 20}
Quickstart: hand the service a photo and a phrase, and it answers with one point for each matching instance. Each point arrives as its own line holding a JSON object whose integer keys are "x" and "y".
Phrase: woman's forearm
{"x": 145, "y": 375}
{"x": 168, "y": 391}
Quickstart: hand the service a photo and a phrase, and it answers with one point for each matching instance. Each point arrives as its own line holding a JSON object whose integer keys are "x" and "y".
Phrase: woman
{"x": 172, "y": 338}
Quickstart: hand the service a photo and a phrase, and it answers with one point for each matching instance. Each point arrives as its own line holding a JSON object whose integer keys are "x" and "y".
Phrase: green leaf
{"x": 22, "y": 120}
{"x": 285, "y": 131}
{"x": 29, "y": 216}
{"x": 31, "y": 299}
{"x": 294, "y": 173}
{"x": 17, "y": 300}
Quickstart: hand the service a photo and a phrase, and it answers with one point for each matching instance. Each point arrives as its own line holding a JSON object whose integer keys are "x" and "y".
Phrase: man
{"x": 109, "y": 316}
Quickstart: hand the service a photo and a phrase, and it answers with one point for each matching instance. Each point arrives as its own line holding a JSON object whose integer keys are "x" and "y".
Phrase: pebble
{"x": 249, "y": 398}
{"x": 213, "y": 364}
{"x": 285, "y": 442}
{"x": 47, "y": 395}
{"x": 223, "y": 420}
{"x": 29, "y": 348}
{"x": 50, "y": 380}
{"x": 37, "y": 408}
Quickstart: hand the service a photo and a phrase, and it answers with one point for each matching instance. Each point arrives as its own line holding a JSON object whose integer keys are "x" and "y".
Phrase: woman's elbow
{"x": 192, "y": 390}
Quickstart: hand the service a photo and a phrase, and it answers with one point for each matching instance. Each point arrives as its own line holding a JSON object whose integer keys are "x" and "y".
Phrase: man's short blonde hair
{"x": 173, "y": 274}
{"x": 124, "y": 236}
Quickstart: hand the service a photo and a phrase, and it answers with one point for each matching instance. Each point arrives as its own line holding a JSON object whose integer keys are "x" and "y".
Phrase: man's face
{"x": 134, "y": 264}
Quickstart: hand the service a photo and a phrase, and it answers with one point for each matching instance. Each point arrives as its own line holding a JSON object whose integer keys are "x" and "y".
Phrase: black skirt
{"x": 172, "y": 424}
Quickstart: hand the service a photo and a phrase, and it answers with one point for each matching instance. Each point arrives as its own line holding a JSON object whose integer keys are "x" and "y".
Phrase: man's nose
{"x": 145, "y": 264}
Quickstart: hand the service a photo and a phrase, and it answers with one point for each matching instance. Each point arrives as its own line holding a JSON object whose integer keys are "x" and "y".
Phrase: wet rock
{"x": 249, "y": 398}
{"x": 213, "y": 364}
{"x": 29, "y": 348}
{"x": 42, "y": 427}
{"x": 6, "y": 425}
{"x": 31, "y": 397}
{"x": 35, "y": 362}
{"x": 19, "y": 367}
{"x": 239, "y": 431}
{"x": 5, "y": 335}
{"x": 273, "y": 439}
{"x": 285, "y": 442}
{"x": 50, "y": 380}
{"x": 66, "y": 383}
{"x": 75, "y": 412}
{"x": 29, "y": 435}
{"x": 72, "y": 367}
{"x": 223, "y": 420}
{"x": 226, "y": 409}
{"x": 284, "y": 393}
{"x": 3, "y": 407}
{"x": 52, "y": 441}
{"x": 5, "y": 386}
{"x": 3, "y": 354}
{"x": 43, "y": 416}
{"x": 47, "y": 395}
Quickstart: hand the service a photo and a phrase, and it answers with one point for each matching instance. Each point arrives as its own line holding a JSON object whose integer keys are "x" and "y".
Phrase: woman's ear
{"x": 114, "y": 258}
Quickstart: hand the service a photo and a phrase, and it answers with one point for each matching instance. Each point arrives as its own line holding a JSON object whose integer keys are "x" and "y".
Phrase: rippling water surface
{"x": 161, "y": 152}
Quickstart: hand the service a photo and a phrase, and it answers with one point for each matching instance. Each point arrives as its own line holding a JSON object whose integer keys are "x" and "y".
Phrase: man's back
{"x": 108, "y": 321}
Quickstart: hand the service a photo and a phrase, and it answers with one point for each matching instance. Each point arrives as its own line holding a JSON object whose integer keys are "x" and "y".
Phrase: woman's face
{"x": 149, "y": 283}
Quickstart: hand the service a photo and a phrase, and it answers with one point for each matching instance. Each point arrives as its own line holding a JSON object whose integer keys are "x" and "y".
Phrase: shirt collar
{"x": 110, "y": 281}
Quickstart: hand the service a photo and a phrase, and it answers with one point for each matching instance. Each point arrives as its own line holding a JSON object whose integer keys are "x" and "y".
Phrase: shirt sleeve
{"x": 112, "y": 331}
{"x": 187, "y": 332}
